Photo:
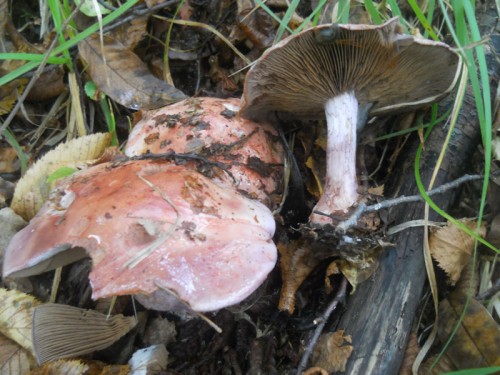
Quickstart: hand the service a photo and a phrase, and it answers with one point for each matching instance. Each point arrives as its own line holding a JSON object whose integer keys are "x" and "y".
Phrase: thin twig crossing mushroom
{"x": 347, "y": 72}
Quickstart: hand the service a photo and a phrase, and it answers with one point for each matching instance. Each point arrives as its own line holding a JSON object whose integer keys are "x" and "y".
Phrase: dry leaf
{"x": 61, "y": 331}
{"x": 124, "y": 77}
{"x": 477, "y": 340}
{"x": 316, "y": 188}
{"x": 377, "y": 190}
{"x": 332, "y": 269}
{"x": 33, "y": 189}
{"x": 62, "y": 367}
{"x": 359, "y": 269}
{"x": 14, "y": 360}
{"x": 452, "y": 248}
{"x": 333, "y": 351}
{"x": 8, "y": 158}
{"x": 132, "y": 32}
{"x": 296, "y": 264}
{"x": 16, "y": 312}
{"x": 411, "y": 352}
{"x": 149, "y": 361}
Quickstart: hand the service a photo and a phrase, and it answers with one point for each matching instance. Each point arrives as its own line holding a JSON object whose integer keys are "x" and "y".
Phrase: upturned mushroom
{"x": 347, "y": 72}
{"x": 153, "y": 229}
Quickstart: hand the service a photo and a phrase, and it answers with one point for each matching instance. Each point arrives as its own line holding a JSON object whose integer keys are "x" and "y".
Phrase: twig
{"x": 362, "y": 207}
{"x": 321, "y": 321}
{"x": 487, "y": 294}
{"x": 193, "y": 157}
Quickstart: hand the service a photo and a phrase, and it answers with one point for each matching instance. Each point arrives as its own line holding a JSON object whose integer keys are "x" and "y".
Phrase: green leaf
{"x": 60, "y": 173}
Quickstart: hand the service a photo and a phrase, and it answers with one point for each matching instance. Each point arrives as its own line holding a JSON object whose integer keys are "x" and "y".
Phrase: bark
{"x": 380, "y": 314}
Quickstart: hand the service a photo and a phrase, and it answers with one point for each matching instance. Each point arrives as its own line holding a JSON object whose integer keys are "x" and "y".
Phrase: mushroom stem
{"x": 341, "y": 188}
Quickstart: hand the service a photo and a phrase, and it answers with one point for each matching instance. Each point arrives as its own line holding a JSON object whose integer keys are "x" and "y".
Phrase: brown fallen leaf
{"x": 62, "y": 367}
{"x": 357, "y": 270}
{"x": 14, "y": 359}
{"x": 477, "y": 340}
{"x": 8, "y": 158}
{"x": 452, "y": 248}
{"x": 16, "y": 312}
{"x": 33, "y": 189}
{"x": 123, "y": 76}
{"x": 296, "y": 264}
{"x": 61, "y": 331}
{"x": 411, "y": 352}
{"x": 332, "y": 351}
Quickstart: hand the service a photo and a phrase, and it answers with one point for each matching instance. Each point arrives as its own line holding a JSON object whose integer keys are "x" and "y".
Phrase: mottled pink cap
{"x": 150, "y": 226}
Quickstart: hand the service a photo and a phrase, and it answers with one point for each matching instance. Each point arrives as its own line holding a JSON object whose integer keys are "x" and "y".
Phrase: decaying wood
{"x": 380, "y": 314}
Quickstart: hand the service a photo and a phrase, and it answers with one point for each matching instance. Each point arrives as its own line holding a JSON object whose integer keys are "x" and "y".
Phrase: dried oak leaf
{"x": 33, "y": 189}
{"x": 477, "y": 340}
{"x": 16, "y": 312}
{"x": 333, "y": 351}
{"x": 14, "y": 359}
{"x": 452, "y": 248}
{"x": 296, "y": 263}
{"x": 123, "y": 76}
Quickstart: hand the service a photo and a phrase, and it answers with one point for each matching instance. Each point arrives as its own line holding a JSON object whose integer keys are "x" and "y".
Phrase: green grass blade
{"x": 373, "y": 12}
{"x": 71, "y": 42}
{"x": 421, "y": 18}
{"x": 38, "y": 57}
{"x": 19, "y": 150}
{"x": 313, "y": 17}
{"x": 286, "y": 19}
{"x": 271, "y": 13}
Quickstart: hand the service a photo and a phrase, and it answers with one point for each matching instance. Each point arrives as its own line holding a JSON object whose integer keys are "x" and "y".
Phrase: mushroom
{"x": 152, "y": 229}
{"x": 347, "y": 72}
{"x": 212, "y": 129}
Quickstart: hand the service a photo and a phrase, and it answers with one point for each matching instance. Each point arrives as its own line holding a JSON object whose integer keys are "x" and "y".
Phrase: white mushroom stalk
{"x": 341, "y": 187}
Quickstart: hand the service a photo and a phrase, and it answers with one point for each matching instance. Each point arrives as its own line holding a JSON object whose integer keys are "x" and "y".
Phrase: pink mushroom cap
{"x": 150, "y": 226}
{"x": 211, "y": 127}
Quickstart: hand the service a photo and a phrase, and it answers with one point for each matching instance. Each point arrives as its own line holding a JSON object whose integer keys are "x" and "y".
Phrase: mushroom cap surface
{"x": 378, "y": 63}
{"x": 211, "y": 128}
{"x": 209, "y": 245}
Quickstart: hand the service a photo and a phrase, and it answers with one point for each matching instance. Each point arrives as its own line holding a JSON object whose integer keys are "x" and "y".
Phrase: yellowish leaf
{"x": 16, "y": 313}
{"x": 14, "y": 359}
{"x": 477, "y": 339}
{"x": 66, "y": 367}
{"x": 452, "y": 248}
{"x": 333, "y": 351}
{"x": 296, "y": 263}
{"x": 33, "y": 189}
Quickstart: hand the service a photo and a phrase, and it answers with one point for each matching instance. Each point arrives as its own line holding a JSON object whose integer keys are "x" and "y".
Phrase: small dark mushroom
{"x": 347, "y": 72}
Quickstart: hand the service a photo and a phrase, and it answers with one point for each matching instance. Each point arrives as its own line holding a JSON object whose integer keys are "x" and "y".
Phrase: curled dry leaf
{"x": 14, "y": 359}
{"x": 33, "y": 189}
{"x": 332, "y": 351}
{"x": 123, "y": 76}
{"x": 62, "y": 331}
{"x": 150, "y": 226}
{"x": 477, "y": 340}
{"x": 296, "y": 263}
{"x": 16, "y": 313}
{"x": 211, "y": 128}
{"x": 452, "y": 248}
